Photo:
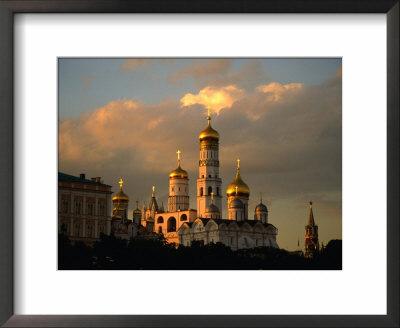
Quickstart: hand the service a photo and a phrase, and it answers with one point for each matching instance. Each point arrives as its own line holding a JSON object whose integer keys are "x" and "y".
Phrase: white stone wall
{"x": 178, "y": 194}
{"x": 230, "y": 234}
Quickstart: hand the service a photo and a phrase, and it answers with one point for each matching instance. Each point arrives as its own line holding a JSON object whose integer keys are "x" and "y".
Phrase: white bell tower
{"x": 209, "y": 181}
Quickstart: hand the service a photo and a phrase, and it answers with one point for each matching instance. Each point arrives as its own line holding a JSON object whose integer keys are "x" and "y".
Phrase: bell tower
{"x": 178, "y": 188}
{"x": 209, "y": 181}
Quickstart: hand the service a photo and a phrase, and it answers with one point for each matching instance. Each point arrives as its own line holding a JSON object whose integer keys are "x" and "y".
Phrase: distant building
{"x": 84, "y": 207}
{"x": 123, "y": 227}
{"x": 311, "y": 243}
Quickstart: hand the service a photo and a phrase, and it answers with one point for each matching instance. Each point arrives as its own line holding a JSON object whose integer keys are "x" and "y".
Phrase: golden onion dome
{"x": 238, "y": 186}
{"x": 179, "y": 173}
{"x": 209, "y": 132}
{"x": 121, "y": 196}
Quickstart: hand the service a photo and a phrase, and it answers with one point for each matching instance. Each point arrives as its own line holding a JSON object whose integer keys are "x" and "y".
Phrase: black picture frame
{"x": 10, "y": 7}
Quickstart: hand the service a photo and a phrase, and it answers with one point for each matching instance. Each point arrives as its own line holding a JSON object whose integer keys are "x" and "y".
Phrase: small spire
{"x": 260, "y": 197}
{"x": 121, "y": 182}
{"x": 153, "y": 191}
{"x": 212, "y": 198}
{"x": 179, "y": 157}
{"x": 311, "y": 216}
{"x": 137, "y": 204}
{"x": 238, "y": 164}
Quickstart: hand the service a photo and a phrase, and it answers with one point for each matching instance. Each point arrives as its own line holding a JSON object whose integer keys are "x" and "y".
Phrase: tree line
{"x": 111, "y": 253}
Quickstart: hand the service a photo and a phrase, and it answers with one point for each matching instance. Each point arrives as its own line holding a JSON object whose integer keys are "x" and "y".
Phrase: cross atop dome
{"x": 179, "y": 157}
{"x": 121, "y": 182}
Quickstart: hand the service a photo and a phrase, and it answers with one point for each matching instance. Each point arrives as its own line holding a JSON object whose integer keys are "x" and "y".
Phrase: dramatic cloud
{"x": 276, "y": 91}
{"x": 199, "y": 69}
{"x": 86, "y": 80}
{"x": 217, "y": 98}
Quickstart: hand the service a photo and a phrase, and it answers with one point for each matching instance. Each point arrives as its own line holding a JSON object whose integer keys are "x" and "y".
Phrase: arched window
{"x": 201, "y": 191}
{"x": 183, "y": 217}
{"x": 171, "y": 224}
{"x": 209, "y": 190}
{"x": 160, "y": 219}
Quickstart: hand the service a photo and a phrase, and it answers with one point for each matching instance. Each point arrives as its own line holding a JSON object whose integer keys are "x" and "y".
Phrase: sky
{"x": 127, "y": 117}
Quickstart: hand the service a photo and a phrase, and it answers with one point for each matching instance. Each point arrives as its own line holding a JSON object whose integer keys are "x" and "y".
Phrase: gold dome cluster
{"x": 238, "y": 186}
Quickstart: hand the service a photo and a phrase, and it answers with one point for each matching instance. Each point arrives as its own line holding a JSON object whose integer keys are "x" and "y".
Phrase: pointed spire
{"x": 260, "y": 197}
{"x": 153, "y": 191}
{"x": 238, "y": 165}
{"x": 179, "y": 157}
{"x": 311, "y": 217}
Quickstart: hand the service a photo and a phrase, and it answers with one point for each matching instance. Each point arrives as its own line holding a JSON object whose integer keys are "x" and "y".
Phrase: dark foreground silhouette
{"x": 115, "y": 254}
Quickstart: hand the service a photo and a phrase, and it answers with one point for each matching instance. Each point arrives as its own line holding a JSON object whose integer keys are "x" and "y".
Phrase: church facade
{"x": 182, "y": 225}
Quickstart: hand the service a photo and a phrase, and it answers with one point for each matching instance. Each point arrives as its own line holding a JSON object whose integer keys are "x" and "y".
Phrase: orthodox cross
{"x": 121, "y": 182}
{"x": 208, "y": 108}
{"x": 179, "y": 157}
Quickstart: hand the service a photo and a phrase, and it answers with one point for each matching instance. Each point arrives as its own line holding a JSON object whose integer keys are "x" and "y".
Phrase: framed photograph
{"x": 199, "y": 165}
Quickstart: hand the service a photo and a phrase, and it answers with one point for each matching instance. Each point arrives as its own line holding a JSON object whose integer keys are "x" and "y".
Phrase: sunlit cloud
{"x": 216, "y": 97}
{"x": 276, "y": 91}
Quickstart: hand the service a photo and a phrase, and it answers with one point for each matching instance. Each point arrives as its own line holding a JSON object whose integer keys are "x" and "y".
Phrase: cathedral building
{"x": 311, "y": 241}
